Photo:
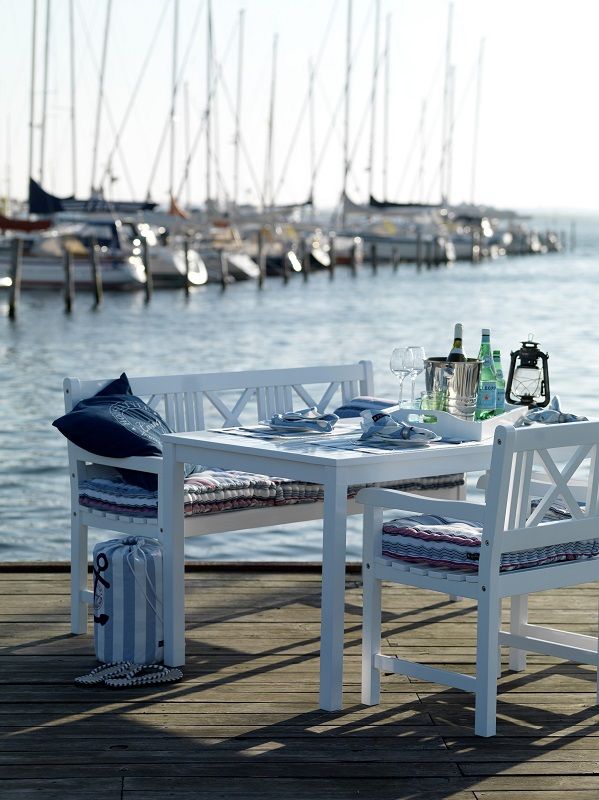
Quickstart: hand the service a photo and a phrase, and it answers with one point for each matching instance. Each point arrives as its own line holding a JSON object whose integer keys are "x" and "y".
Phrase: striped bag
{"x": 128, "y": 600}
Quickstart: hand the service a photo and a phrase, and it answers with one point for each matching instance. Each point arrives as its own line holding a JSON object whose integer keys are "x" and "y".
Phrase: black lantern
{"x": 528, "y": 379}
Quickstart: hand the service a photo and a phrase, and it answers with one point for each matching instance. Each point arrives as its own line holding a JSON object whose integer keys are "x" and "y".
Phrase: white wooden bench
{"x": 196, "y": 402}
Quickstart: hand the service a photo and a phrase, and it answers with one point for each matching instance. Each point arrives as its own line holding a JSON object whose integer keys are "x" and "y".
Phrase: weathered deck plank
{"x": 244, "y": 722}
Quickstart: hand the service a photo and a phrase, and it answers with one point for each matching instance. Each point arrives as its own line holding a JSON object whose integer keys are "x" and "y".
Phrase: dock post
{"x": 419, "y": 248}
{"x": 69, "y": 281}
{"x": 15, "y": 277}
{"x": 285, "y": 264}
{"x": 354, "y": 258}
{"x": 374, "y": 258}
{"x": 572, "y": 235}
{"x": 332, "y": 253}
{"x": 261, "y": 259}
{"x": 224, "y": 270}
{"x": 394, "y": 259}
{"x": 148, "y": 268}
{"x": 96, "y": 273}
{"x": 186, "y": 255}
{"x": 305, "y": 250}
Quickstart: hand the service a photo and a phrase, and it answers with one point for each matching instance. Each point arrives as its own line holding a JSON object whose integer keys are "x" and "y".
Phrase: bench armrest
{"x": 151, "y": 464}
{"x": 403, "y": 501}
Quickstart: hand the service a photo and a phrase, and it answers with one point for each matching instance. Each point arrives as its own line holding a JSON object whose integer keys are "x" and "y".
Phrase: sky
{"x": 538, "y": 122}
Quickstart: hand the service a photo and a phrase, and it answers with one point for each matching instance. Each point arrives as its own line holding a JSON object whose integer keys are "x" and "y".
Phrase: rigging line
{"x": 360, "y": 128}
{"x": 218, "y": 78}
{"x": 427, "y": 99}
{"x": 106, "y": 103}
{"x": 302, "y": 112}
{"x": 455, "y": 117}
{"x": 156, "y": 161}
{"x": 244, "y": 150}
{"x": 342, "y": 94}
{"x": 131, "y": 104}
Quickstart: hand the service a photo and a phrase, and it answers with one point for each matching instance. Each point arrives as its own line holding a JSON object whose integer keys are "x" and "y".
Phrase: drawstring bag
{"x": 128, "y": 623}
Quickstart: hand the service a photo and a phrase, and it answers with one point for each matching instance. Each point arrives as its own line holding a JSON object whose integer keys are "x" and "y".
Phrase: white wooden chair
{"x": 508, "y": 525}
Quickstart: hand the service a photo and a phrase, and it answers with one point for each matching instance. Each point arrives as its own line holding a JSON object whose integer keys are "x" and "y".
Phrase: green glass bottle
{"x": 487, "y": 382}
{"x": 500, "y": 399}
{"x": 457, "y": 351}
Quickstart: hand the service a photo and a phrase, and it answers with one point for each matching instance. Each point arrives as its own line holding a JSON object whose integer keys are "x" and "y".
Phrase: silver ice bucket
{"x": 452, "y": 385}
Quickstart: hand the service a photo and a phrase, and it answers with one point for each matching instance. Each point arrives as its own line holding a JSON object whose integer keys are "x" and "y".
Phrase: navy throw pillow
{"x": 116, "y": 423}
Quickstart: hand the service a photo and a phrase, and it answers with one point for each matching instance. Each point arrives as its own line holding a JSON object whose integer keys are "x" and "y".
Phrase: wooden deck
{"x": 244, "y": 722}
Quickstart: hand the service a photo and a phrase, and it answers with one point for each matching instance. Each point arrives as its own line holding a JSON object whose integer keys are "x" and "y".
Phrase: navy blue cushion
{"x": 116, "y": 423}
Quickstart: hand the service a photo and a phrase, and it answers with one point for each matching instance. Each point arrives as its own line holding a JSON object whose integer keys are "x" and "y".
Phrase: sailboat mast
{"x": 238, "y": 110}
{"x": 187, "y": 141}
{"x": 73, "y": 97}
{"x": 421, "y": 134}
{"x": 476, "y": 120}
{"x": 347, "y": 98}
{"x": 32, "y": 90}
{"x": 375, "y": 75}
{"x": 100, "y": 96}
{"x": 171, "y": 182}
{"x": 268, "y": 176}
{"x": 450, "y": 129}
{"x": 386, "y": 106}
{"x": 45, "y": 93}
{"x": 312, "y": 131}
{"x": 446, "y": 106}
{"x": 208, "y": 103}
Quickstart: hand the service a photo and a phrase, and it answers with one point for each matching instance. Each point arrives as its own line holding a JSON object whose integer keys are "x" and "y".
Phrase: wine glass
{"x": 400, "y": 364}
{"x": 417, "y": 359}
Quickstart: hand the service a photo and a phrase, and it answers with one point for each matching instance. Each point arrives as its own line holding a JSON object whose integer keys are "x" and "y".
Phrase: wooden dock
{"x": 244, "y": 723}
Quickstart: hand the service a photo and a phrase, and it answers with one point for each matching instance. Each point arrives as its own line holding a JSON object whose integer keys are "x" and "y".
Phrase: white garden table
{"x": 307, "y": 461}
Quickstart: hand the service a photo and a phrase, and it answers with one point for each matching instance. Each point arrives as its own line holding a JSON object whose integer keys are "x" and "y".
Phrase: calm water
{"x": 321, "y": 322}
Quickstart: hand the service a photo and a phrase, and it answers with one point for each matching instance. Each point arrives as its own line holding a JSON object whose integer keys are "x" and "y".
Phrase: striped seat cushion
{"x": 215, "y": 490}
{"x": 452, "y": 543}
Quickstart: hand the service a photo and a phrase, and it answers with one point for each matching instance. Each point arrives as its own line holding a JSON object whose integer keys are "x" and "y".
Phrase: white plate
{"x": 293, "y": 428}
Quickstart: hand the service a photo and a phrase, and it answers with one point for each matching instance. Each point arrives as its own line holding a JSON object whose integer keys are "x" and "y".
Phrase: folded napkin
{"x": 550, "y": 415}
{"x": 383, "y": 428}
{"x": 305, "y": 419}
{"x": 355, "y": 406}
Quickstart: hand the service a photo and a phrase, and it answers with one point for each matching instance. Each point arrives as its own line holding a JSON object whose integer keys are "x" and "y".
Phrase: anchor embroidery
{"x": 102, "y": 566}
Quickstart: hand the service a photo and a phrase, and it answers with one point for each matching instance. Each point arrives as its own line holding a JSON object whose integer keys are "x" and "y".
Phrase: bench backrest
{"x": 561, "y": 452}
{"x": 194, "y": 402}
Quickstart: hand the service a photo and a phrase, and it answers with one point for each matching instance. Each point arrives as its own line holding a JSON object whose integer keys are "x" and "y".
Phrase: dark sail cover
{"x": 42, "y": 202}
{"x": 374, "y": 203}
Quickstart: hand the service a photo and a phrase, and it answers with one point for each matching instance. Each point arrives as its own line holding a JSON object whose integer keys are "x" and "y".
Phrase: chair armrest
{"x": 139, "y": 463}
{"x": 403, "y": 501}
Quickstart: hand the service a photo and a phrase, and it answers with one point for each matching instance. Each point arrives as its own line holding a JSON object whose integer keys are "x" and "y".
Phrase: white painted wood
{"x": 423, "y": 672}
{"x": 371, "y": 613}
{"x": 170, "y": 527}
{"x": 507, "y": 525}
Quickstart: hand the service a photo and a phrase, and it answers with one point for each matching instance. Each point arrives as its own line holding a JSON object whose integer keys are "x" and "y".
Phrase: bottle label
{"x": 487, "y": 395}
{"x": 500, "y": 398}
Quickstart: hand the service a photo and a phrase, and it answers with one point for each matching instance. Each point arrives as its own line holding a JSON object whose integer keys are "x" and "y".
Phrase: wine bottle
{"x": 457, "y": 353}
{"x": 486, "y": 397}
{"x": 500, "y": 401}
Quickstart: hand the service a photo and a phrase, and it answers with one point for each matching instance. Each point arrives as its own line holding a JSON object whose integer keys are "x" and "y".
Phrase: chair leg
{"x": 487, "y": 639}
{"x": 371, "y": 614}
{"x": 78, "y": 575}
{"x": 518, "y": 617}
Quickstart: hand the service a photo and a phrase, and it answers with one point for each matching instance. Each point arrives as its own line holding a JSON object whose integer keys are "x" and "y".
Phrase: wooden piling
{"x": 286, "y": 264}
{"x": 354, "y": 258}
{"x": 419, "y": 248}
{"x": 261, "y": 259}
{"x": 96, "y": 270}
{"x": 572, "y": 235}
{"x": 306, "y": 265}
{"x": 186, "y": 256}
{"x": 224, "y": 269}
{"x": 374, "y": 258}
{"x": 332, "y": 253}
{"x": 148, "y": 268}
{"x": 69, "y": 281}
{"x": 15, "y": 277}
{"x": 394, "y": 258}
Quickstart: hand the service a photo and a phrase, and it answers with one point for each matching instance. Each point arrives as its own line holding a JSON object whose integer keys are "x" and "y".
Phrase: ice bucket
{"x": 453, "y": 385}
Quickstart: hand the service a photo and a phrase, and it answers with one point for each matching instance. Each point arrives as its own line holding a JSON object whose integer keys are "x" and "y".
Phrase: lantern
{"x": 528, "y": 379}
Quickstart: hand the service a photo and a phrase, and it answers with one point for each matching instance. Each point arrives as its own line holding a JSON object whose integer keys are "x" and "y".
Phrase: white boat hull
{"x": 39, "y": 272}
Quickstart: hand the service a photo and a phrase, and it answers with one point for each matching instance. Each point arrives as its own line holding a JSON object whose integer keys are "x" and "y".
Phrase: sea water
{"x": 321, "y": 321}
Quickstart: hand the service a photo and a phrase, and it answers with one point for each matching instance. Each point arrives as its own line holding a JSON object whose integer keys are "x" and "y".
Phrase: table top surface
{"x": 326, "y": 449}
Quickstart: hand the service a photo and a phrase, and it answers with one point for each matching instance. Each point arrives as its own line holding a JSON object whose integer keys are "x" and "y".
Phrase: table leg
{"x": 333, "y": 593}
{"x": 171, "y": 521}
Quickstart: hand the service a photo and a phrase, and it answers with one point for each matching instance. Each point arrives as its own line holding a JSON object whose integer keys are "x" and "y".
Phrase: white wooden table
{"x": 336, "y": 470}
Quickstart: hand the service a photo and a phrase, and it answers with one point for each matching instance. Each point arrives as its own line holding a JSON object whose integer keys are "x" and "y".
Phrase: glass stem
{"x": 401, "y": 380}
{"x": 413, "y": 389}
